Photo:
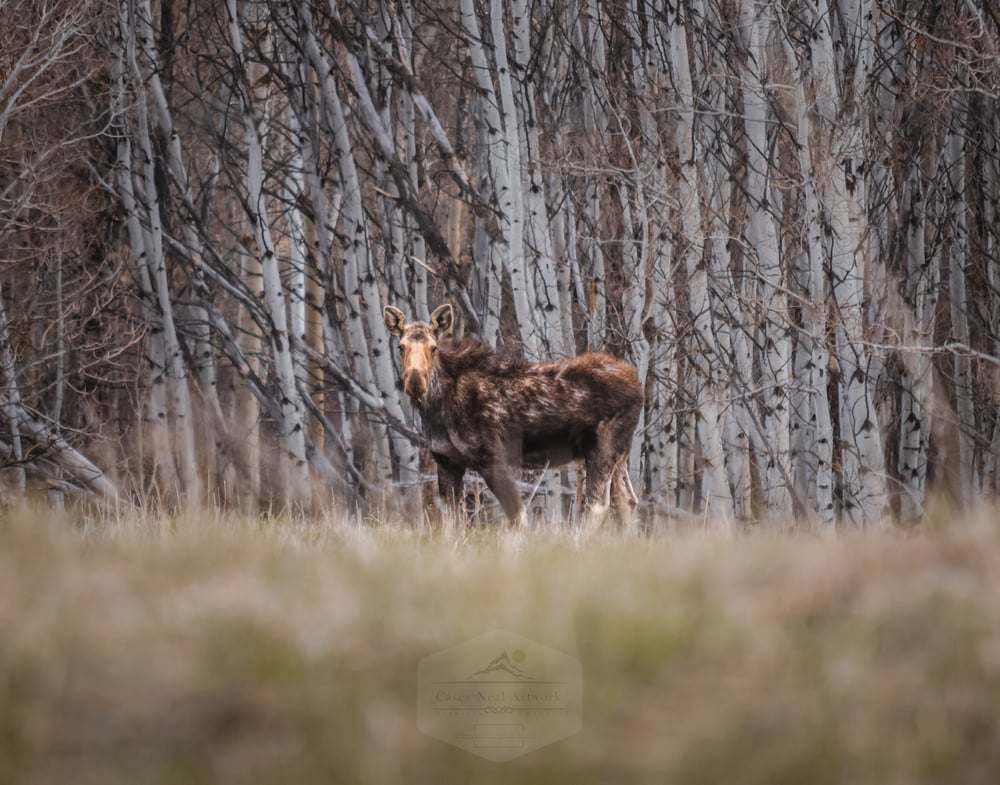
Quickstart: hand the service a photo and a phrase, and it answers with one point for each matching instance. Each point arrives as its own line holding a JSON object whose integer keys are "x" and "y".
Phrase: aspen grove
{"x": 784, "y": 214}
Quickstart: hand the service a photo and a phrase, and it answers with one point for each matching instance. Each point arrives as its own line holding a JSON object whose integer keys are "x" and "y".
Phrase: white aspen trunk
{"x": 182, "y": 420}
{"x": 812, "y": 423}
{"x": 716, "y": 498}
{"x": 293, "y": 426}
{"x": 169, "y": 409}
{"x": 330, "y": 339}
{"x": 635, "y": 296}
{"x": 588, "y": 38}
{"x": 991, "y": 463}
{"x": 245, "y": 426}
{"x": 635, "y": 270}
{"x": 404, "y": 38}
{"x": 393, "y": 248}
{"x": 355, "y": 251}
{"x": 504, "y": 157}
{"x": 11, "y": 400}
{"x": 203, "y": 357}
{"x": 165, "y": 349}
{"x": 662, "y": 456}
{"x": 542, "y": 279}
{"x": 172, "y": 395}
{"x": 596, "y": 303}
{"x": 406, "y": 453}
{"x": 662, "y": 448}
{"x": 650, "y": 69}
{"x": 762, "y": 236}
{"x": 841, "y": 180}
{"x": 861, "y": 460}
{"x": 68, "y": 459}
{"x": 917, "y": 380}
{"x": 298, "y": 255}
{"x": 565, "y": 252}
{"x": 487, "y": 251}
{"x": 295, "y": 192}
{"x": 954, "y": 150}
{"x": 325, "y": 215}
{"x": 306, "y": 291}
{"x": 157, "y": 416}
{"x": 730, "y": 336}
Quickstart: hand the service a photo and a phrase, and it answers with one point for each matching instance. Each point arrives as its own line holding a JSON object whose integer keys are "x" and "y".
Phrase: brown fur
{"x": 488, "y": 413}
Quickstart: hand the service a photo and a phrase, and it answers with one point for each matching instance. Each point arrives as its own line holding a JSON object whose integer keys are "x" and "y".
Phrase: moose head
{"x": 418, "y": 346}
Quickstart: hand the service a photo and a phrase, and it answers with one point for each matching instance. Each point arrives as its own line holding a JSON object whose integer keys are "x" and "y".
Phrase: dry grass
{"x": 234, "y": 650}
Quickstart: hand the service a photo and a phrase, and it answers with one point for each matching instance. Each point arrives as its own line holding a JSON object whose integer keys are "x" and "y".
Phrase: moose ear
{"x": 443, "y": 320}
{"x": 395, "y": 321}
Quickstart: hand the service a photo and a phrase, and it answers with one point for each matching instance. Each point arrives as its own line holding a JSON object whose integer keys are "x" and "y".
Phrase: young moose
{"x": 488, "y": 413}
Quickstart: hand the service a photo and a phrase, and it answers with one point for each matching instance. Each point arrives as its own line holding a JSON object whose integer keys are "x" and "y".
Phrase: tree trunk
{"x": 292, "y": 427}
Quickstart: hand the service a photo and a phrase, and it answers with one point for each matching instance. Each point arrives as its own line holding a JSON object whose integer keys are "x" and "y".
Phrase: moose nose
{"x": 414, "y": 385}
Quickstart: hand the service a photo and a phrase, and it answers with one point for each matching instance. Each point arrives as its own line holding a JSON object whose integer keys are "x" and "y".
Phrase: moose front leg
{"x": 450, "y": 487}
{"x": 501, "y": 482}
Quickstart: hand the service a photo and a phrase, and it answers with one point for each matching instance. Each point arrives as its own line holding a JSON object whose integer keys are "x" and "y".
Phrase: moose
{"x": 491, "y": 414}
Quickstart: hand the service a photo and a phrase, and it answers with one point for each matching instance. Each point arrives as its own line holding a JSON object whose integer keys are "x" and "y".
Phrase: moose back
{"x": 493, "y": 414}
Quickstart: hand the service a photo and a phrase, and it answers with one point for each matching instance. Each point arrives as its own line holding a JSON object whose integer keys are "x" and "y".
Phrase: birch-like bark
{"x": 371, "y": 375}
{"x": 55, "y": 447}
{"x": 487, "y": 248}
{"x": 835, "y": 161}
{"x": 202, "y": 355}
{"x": 504, "y": 159}
{"x": 170, "y": 407}
{"x": 917, "y": 379}
{"x": 991, "y": 188}
{"x": 246, "y": 419}
{"x": 812, "y": 425}
{"x": 635, "y": 268}
{"x": 542, "y": 279}
{"x": 588, "y": 39}
{"x": 762, "y": 236}
{"x": 181, "y": 419}
{"x": 511, "y": 200}
{"x": 292, "y": 427}
{"x": 709, "y": 386}
{"x": 564, "y": 251}
{"x": 404, "y": 42}
{"x": 954, "y": 152}
{"x": 406, "y": 453}
{"x": 156, "y": 420}
{"x": 732, "y": 355}
{"x": 11, "y": 398}
{"x": 663, "y": 445}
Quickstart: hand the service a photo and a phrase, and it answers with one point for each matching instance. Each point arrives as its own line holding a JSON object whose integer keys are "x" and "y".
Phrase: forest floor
{"x": 235, "y": 650}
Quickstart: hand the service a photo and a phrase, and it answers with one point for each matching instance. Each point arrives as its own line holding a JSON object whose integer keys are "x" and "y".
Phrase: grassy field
{"x": 233, "y": 650}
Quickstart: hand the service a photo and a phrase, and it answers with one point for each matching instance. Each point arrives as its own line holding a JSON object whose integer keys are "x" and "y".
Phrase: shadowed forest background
{"x": 784, "y": 214}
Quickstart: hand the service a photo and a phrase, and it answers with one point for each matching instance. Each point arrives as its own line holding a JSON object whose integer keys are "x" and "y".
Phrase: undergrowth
{"x": 221, "y": 648}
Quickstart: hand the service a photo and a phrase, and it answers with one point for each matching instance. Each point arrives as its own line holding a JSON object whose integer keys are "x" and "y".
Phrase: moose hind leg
{"x": 604, "y": 485}
{"x": 623, "y": 498}
{"x": 599, "y": 482}
{"x": 598, "y": 497}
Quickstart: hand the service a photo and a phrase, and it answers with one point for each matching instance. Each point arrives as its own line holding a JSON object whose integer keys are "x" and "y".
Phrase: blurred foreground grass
{"x": 232, "y": 650}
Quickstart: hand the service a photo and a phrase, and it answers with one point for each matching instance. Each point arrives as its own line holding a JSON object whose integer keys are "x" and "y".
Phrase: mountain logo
{"x": 499, "y": 695}
{"x": 504, "y": 664}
